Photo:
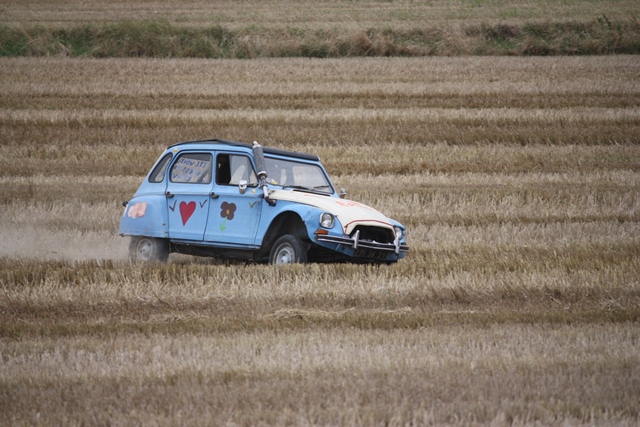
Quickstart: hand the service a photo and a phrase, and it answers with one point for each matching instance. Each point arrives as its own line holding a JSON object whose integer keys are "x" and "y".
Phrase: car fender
{"x": 351, "y": 213}
{"x": 310, "y": 216}
{"x": 145, "y": 216}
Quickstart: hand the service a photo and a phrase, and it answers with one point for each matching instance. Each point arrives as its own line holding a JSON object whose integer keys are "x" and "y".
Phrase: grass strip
{"x": 314, "y": 320}
{"x": 161, "y": 39}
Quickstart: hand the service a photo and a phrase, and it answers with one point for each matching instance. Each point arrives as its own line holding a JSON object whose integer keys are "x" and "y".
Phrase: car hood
{"x": 349, "y": 213}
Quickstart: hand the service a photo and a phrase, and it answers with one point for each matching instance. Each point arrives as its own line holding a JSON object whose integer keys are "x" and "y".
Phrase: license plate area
{"x": 370, "y": 254}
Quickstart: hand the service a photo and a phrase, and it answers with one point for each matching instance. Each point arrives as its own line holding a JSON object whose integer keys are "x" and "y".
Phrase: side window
{"x": 231, "y": 169}
{"x": 158, "y": 172}
{"x": 193, "y": 168}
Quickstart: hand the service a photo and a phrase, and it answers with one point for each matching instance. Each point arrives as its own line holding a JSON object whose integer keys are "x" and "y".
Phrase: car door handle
{"x": 214, "y": 195}
{"x": 169, "y": 195}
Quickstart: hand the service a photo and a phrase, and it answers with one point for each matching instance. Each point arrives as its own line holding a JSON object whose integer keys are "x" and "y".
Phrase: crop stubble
{"x": 309, "y": 14}
{"x": 519, "y": 301}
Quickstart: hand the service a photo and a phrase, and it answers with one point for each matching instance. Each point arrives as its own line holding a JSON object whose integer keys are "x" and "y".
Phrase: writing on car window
{"x": 193, "y": 168}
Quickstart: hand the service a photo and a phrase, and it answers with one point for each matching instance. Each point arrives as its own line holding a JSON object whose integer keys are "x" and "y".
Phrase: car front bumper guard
{"x": 356, "y": 243}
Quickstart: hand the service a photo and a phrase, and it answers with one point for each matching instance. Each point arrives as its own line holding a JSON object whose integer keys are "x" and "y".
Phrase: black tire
{"x": 288, "y": 249}
{"x": 148, "y": 249}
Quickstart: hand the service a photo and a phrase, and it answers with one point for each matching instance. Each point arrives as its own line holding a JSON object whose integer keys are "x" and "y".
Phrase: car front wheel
{"x": 288, "y": 249}
{"x": 148, "y": 249}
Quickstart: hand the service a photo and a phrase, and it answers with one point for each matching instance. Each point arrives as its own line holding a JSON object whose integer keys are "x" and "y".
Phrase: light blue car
{"x": 235, "y": 200}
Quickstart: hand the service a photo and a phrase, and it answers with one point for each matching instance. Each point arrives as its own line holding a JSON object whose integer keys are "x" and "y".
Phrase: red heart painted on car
{"x": 186, "y": 210}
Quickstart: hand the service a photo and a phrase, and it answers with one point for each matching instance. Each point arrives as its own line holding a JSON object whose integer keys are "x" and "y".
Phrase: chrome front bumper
{"x": 356, "y": 243}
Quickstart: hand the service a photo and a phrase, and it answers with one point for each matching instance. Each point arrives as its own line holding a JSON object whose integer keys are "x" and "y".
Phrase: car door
{"x": 189, "y": 194}
{"x": 234, "y": 215}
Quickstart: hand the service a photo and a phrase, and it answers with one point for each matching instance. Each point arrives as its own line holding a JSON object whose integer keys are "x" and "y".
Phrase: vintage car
{"x": 236, "y": 200}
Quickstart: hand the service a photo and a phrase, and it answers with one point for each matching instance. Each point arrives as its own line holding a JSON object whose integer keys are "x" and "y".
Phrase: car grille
{"x": 374, "y": 234}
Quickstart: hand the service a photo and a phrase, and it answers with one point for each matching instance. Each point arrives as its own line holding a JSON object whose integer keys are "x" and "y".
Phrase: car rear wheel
{"x": 148, "y": 249}
{"x": 288, "y": 249}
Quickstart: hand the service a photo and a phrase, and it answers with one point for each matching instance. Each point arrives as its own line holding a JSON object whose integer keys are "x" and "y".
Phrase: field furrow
{"x": 518, "y": 303}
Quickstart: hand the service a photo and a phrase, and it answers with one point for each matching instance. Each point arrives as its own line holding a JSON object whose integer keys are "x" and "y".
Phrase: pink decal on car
{"x": 138, "y": 210}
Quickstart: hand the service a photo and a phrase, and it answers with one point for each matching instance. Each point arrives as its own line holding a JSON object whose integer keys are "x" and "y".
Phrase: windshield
{"x": 298, "y": 175}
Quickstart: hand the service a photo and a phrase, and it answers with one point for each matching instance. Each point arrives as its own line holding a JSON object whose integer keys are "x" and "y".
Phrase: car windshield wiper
{"x": 298, "y": 187}
{"x": 311, "y": 190}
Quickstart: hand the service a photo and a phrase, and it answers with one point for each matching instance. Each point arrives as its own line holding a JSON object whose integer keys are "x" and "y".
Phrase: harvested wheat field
{"x": 519, "y": 304}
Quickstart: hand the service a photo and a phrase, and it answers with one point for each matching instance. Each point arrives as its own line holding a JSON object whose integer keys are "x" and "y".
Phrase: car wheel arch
{"x": 287, "y": 222}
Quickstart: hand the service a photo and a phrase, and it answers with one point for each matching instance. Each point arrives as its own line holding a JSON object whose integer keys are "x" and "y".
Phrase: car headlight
{"x": 398, "y": 232}
{"x": 326, "y": 220}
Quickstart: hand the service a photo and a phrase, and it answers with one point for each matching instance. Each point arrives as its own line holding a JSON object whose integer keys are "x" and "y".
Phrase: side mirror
{"x": 342, "y": 193}
{"x": 242, "y": 186}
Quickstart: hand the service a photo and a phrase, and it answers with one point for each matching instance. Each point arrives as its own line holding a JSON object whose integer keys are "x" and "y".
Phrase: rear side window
{"x": 192, "y": 168}
{"x": 158, "y": 172}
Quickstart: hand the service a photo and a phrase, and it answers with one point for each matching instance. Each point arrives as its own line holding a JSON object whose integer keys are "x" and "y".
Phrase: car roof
{"x": 266, "y": 150}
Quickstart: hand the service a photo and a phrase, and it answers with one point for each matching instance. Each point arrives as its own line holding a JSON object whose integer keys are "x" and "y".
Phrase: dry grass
{"x": 518, "y": 304}
{"x": 328, "y": 377}
{"x": 325, "y": 14}
{"x": 398, "y": 105}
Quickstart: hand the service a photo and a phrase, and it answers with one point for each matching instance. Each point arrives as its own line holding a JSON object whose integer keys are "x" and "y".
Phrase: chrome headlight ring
{"x": 327, "y": 220}
{"x": 398, "y": 232}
